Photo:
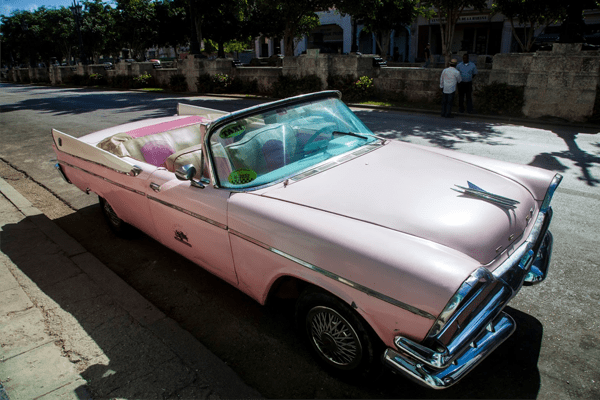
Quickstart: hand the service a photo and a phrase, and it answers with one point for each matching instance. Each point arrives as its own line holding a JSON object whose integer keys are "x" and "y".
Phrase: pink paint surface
{"x": 166, "y": 126}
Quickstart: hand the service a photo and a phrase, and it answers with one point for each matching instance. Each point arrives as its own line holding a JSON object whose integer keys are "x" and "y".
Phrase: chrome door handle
{"x": 155, "y": 187}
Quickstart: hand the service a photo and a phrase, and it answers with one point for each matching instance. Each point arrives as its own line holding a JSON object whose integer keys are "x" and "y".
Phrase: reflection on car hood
{"x": 410, "y": 189}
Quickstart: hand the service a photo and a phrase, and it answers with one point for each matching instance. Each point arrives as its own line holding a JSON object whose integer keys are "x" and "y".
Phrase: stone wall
{"x": 562, "y": 83}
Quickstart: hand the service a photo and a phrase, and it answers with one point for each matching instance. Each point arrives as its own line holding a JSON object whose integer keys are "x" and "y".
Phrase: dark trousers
{"x": 465, "y": 89}
{"x": 447, "y": 100}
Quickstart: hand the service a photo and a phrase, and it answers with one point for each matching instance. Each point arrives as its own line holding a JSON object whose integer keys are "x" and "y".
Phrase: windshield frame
{"x": 214, "y": 127}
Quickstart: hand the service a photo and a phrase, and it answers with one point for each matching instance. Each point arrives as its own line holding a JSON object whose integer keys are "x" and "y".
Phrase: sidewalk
{"x": 72, "y": 329}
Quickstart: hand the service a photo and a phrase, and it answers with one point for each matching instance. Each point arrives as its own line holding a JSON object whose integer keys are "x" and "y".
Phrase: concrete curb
{"x": 223, "y": 382}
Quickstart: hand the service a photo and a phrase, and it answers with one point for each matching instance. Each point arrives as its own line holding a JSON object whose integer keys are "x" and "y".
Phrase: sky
{"x": 8, "y": 6}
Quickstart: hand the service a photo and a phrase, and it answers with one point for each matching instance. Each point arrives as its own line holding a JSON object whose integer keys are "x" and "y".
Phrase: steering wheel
{"x": 307, "y": 148}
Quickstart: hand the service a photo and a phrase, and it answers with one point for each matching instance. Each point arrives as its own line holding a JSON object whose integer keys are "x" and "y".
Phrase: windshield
{"x": 268, "y": 147}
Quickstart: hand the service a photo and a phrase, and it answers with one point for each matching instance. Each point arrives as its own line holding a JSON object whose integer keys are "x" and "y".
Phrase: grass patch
{"x": 153, "y": 89}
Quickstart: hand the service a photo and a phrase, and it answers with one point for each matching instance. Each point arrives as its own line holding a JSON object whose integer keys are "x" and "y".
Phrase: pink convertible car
{"x": 397, "y": 254}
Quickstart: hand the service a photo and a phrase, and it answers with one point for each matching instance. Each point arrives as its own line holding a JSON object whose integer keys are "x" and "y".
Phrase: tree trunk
{"x": 383, "y": 41}
{"x": 288, "y": 40}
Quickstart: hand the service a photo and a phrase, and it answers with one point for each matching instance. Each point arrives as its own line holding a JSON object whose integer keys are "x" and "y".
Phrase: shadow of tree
{"x": 582, "y": 159}
{"x": 440, "y": 132}
{"x": 84, "y": 100}
{"x": 449, "y": 134}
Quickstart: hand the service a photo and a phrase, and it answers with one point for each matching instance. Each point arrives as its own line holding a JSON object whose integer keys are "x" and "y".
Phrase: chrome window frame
{"x": 213, "y": 127}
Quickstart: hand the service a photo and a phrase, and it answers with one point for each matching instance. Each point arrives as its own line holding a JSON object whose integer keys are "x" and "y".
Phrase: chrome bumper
{"x": 469, "y": 336}
{"x": 497, "y": 332}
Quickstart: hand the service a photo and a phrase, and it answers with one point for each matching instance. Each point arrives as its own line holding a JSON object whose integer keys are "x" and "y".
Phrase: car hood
{"x": 409, "y": 189}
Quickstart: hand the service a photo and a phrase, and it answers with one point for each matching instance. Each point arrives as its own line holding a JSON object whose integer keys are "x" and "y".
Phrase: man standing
{"x": 427, "y": 56}
{"x": 448, "y": 81}
{"x": 465, "y": 88}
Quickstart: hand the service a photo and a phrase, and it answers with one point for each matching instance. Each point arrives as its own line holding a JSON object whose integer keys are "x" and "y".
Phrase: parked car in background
{"x": 396, "y": 253}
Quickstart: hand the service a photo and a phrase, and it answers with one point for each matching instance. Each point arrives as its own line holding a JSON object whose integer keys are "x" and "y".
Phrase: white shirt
{"x": 449, "y": 79}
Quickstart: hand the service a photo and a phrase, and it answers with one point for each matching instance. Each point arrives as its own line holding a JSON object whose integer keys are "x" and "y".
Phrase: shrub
{"x": 204, "y": 83}
{"x": 218, "y": 83}
{"x": 287, "y": 86}
{"x": 121, "y": 82}
{"x": 97, "y": 79}
{"x": 239, "y": 86}
{"x": 353, "y": 89}
{"x": 178, "y": 83}
{"x": 500, "y": 99}
{"x": 143, "y": 81}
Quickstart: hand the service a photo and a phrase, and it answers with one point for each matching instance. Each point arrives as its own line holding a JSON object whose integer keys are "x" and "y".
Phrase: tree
{"x": 224, "y": 22}
{"x": 98, "y": 29}
{"x": 448, "y": 12}
{"x": 292, "y": 18}
{"x": 135, "y": 25}
{"x": 531, "y": 15}
{"x": 572, "y": 29}
{"x": 381, "y": 17}
{"x": 61, "y": 32}
{"x": 32, "y": 36}
{"x": 171, "y": 16}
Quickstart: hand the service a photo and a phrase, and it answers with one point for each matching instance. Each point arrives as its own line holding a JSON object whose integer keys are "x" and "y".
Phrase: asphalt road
{"x": 554, "y": 353}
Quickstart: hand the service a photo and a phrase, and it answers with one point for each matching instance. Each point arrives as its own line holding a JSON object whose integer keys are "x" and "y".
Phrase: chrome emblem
{"x": 476, "y": 191}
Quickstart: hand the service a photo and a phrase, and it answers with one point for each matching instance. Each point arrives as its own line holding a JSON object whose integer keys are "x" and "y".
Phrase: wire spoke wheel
{"x": 111, "y": 214}
{"x": 334, "y": 338}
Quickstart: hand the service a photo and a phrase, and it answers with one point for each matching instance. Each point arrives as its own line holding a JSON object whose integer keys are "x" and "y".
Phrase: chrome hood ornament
{"x": 476, "y": 191}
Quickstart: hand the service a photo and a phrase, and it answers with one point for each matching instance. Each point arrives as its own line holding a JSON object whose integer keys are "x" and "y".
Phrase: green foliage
{"x": 143, "y": 81}
{"x": 531, "y": 15}
{"x": 287, "y": 86}
{"x": 500, "y": 99}
{"x": 382, "y": 16}
{"x": 178, "y": 83}
{"x": 87, "y": 80}
{"x": 223, "y": 83}
{"x": 97, "y": 80}
{"x": 121, "y": 82}
{"x": 353, "y": 89}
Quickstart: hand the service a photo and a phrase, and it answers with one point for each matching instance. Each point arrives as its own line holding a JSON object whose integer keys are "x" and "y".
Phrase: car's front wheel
{"x": 337, "y": 334}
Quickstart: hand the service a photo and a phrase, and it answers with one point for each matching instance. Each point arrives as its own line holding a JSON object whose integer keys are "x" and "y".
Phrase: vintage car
{"x": 397, "y": 254}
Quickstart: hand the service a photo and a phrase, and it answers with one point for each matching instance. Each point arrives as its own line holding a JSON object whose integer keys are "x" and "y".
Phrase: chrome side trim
{"x": 337, "y": 160}
{"x": 103, "y": 178}
{"x": 188, "y": 212}
{"x": 336, "y": 277}
{"x": 313, "y": 169}
{"x": 135, "y": 169}
{"x": 61, "y": 172}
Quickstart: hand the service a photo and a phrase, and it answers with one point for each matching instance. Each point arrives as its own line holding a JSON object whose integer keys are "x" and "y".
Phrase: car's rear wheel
{"x": 116, "y": 224}
{"x": 338, "y": 335}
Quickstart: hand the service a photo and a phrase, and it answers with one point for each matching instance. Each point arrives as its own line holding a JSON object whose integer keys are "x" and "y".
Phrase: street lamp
{"x": 76, "y": 10}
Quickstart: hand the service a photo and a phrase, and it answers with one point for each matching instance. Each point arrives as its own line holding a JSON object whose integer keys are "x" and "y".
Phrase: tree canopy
{"x": 531, "y": 15}
{"x": 448, "y": 13}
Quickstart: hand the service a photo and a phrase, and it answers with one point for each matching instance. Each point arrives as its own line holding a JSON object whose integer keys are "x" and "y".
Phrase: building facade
{"x": 477, "y": 32}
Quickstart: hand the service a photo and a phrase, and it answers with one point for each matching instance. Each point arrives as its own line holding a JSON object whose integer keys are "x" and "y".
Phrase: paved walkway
{"x": 72, "y": 329}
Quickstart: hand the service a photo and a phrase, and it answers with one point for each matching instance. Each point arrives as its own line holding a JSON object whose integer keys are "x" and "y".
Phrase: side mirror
{"x": 187, "y": 173}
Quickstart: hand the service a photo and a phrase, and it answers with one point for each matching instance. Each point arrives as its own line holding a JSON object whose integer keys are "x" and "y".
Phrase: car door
{"x": 192, "y": 221}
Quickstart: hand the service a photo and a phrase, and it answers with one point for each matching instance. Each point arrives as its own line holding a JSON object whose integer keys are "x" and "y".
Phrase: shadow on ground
{"x": 259, "y": 343}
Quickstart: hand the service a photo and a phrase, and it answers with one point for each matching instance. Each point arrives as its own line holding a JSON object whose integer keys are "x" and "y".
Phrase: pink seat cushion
{"x": 166, "y": 126}
{"x": 156, "y": 152}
